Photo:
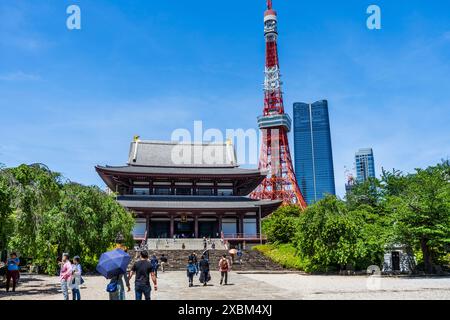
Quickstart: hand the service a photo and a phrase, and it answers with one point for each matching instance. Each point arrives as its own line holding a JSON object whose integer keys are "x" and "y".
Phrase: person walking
{"x": 12, "y": 272}
{"x": 155, "y": 265}
{"x": 205, "y": 243}
{"x": 191, "y": 272}
{"x": 224, "y": 268}
{"x": 239, "y": 256}
{"x": 118, "y": 283}
{"x": 232, "y": 253}
{"x": 193, "y": 257}
{"x": 163, "y": 260}
{"x": 123, "y": 281}
{"x": 204, "y": 271}
{"x": 143, "y": 270}
{"x": 64, "y": 275}
{"x": 75, "y": 279}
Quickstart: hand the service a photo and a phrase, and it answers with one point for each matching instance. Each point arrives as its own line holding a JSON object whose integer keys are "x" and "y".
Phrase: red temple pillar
{"x": 172, "y": 226}
{"x": 241, "y": 224}
{"x": 196, "y": 225}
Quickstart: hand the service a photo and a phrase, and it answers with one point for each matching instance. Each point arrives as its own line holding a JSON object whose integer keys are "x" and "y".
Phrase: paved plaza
{"x": 173, "y": 285}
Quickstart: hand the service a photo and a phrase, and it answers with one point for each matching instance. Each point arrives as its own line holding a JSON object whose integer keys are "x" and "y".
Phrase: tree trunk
{"x": 411, "y": 262}
{"x": 426, "y": 256}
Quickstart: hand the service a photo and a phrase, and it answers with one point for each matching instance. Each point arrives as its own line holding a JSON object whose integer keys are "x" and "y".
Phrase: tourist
{"x": 213, "y": 246}
{"x": 12, "y": 272}
{"x": 224, "y": 268}
{"x": 193, "y": 257}
{"x": 239, "y": 255}
{"x": 204, "y": 271}
{"x": 143, "y": 270}
{"x": 232, "y": 254}
{"x": 155, "y": 265}
{"x": 64, "y": 275}
{"x": 75, "y": 280}
{"x": 123, "y": 281}
{"x": 205, "y": 244}
{"x": 163, "y": 260}
{"x": 116, "y": 287}
{"x": 191, "y": 272}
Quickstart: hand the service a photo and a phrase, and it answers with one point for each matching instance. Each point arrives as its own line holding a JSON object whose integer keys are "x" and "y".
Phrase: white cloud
{"x": 19, "y": 76}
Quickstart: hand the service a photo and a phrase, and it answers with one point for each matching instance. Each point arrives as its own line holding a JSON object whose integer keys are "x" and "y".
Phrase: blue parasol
{"x": 113, "y": 263}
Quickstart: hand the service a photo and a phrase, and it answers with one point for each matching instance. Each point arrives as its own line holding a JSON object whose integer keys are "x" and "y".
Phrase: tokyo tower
{"x": 275, "y": 157}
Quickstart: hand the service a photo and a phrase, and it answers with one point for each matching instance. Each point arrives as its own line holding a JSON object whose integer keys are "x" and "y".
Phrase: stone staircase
{"x": 251, "y": 260}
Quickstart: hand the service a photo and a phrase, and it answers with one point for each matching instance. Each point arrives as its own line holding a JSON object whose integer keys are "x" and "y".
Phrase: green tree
{"x": 48, "y": 216}
{"x": 85, "y": 221}
{"x": 367, "y": 193}
{"x": 6, "y": 209}
{"x": 331, "y": 237}
{"x": 422, "y": 213}
{"x": 393, "y": 183}
{"x": 281, "y": 226}
{"x": 37, "y": 191}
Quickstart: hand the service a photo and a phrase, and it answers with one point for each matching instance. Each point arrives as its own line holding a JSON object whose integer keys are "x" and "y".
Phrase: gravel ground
{"x": 358, "y": 287}
{"x": 173, "y": 285}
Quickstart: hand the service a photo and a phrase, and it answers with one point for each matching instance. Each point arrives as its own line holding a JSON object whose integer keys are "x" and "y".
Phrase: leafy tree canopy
{"x": 47, "y": 216}
{"x": 411, "y": 210}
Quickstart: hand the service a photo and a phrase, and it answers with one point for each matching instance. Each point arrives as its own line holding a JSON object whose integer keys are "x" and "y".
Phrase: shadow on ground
{"x": 28, "y": 286}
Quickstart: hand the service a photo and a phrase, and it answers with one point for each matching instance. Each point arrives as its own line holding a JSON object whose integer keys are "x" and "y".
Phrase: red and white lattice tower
{"x": 275, "y": 157}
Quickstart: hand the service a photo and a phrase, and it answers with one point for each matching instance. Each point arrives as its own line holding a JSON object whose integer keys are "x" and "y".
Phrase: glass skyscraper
{"x": 313, "y": 153}
{"x": 365, "y": 164}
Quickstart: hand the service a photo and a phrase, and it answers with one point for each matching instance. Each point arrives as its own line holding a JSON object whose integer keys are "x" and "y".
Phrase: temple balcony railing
{"x": 137, "y": 236}
{"x": 243, "y": 236}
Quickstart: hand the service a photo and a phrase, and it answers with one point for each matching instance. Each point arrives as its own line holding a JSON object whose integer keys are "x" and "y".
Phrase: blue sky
{"x": 74, "y": 99}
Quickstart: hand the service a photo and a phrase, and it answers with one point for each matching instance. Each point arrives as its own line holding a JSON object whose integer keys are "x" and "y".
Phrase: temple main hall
{"x": 188, "y": 190}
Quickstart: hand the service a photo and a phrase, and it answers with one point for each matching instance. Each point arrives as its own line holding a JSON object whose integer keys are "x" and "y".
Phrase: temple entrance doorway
{"x": 395, "y": 261}
{"x": 184, "y": 229}
{"x": 159, "y": 229}
{"x": 208, "y": 228}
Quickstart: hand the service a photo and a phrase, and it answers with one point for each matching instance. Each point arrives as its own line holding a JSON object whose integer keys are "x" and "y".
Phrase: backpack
{"x": 224, "y": 264}
{"x": 191, "y": 268}
{"x": 111, "y": 287}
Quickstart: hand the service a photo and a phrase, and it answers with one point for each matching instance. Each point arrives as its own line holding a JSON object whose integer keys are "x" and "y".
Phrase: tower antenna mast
{"x": 275, "y": 157}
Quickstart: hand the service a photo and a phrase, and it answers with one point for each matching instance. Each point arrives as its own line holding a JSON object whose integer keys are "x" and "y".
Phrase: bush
{"x": 281, "y": 226}
{"x": 330, "y": 237}
{"x": 283, "y": 254}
